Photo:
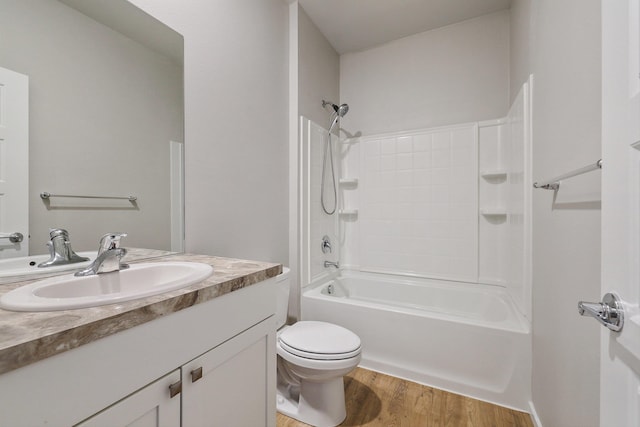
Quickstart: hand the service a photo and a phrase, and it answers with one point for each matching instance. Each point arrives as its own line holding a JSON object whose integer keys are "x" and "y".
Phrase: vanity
{"x": 200, "y": 355}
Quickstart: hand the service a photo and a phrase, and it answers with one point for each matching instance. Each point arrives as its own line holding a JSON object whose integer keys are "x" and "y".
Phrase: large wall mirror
{"x": 106, "y": 119}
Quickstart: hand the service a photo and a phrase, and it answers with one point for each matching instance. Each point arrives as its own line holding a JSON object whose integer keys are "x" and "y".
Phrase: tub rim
{"x": 516, "y": 321}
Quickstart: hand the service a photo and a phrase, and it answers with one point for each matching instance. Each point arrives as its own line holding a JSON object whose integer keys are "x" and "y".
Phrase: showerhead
{"x": 339, "y": 110}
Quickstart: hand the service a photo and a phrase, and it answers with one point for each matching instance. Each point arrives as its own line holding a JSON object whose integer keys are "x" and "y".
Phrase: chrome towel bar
{"x": 46, "y": 195}
{"x": 16, "y": 237}
{"x": 554, "y": 184}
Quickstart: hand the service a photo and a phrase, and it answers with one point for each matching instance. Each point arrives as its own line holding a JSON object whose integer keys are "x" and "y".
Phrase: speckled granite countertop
{"x": 29, "y": 337}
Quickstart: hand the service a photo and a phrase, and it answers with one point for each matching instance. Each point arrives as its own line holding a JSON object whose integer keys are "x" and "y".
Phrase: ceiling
{"x": 354, "y": 25}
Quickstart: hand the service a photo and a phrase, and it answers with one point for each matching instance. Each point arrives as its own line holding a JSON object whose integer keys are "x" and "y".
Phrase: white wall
{"x": 454, "y": 74}
{"x": 521, "y": 39}
{"x": 319, "y": 71}
{"x": 236, "y": 108}
{"x": 565, "y": 59}
{"x": 314, "y": 76}
{"x": 101, "y": 106}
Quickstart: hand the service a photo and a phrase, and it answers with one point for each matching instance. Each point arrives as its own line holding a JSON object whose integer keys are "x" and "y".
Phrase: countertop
{"x": 29, "y": 337}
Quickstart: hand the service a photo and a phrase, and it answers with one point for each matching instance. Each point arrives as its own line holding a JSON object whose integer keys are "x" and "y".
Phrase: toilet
{"x": 312, "y": 359}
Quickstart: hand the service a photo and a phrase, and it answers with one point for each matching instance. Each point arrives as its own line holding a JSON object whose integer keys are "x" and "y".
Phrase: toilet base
{"x": 320, "y": 404}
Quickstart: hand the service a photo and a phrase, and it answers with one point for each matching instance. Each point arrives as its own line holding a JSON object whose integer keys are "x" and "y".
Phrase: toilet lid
{"x": 320, "y": 340}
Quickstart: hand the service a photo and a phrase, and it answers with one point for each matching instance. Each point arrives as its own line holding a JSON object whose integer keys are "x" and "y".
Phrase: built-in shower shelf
{"x": 348, "y": 212}
{"x": 348, "y": 182}
{"x": 494, "y": 174}
{"x": 493, "y": 212}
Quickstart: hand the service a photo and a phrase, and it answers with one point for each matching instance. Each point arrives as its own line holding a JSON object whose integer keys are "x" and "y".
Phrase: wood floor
{"x": 379, "y": 400}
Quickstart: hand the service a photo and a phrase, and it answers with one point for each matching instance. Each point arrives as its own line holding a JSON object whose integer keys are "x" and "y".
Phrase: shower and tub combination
{"x": 431, "y": 230}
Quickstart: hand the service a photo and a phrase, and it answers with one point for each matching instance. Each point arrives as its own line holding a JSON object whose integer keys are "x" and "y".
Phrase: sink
{"x": 138, "y": 281}
{"x": 29, "y": 265}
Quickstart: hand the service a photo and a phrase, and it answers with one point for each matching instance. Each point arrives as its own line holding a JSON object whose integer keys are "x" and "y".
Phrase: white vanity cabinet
{"x": 124, "y": 379}
{"x": 228, "y": 385}
{"x": 150, "y": 406}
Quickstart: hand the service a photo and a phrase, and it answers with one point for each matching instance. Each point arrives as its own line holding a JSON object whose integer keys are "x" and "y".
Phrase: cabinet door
{"x": 236, "y": 384}
{"x": 151, "y": 406}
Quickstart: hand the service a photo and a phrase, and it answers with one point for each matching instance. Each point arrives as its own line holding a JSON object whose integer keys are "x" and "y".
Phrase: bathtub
{"x": 469, "y": 339}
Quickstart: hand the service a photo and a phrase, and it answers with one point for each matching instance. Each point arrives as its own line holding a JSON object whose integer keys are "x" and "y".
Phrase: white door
{"x": 14, "y": 163}
{"x": 620, "y": 351}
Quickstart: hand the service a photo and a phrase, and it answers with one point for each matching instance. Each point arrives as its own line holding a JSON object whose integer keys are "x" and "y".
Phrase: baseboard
{"x": 534, "y": 415}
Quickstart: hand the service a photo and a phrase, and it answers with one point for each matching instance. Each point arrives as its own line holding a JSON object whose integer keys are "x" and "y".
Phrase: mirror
{"x": 106, "y": 119}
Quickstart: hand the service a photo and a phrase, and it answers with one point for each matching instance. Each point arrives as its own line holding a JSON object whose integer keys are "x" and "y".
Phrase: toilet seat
{"x": 319, "y": 341}
{"x": 318, "y": 356}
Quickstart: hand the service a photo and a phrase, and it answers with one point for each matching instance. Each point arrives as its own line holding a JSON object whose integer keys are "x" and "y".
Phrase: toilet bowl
{"x": 312, "y": 358}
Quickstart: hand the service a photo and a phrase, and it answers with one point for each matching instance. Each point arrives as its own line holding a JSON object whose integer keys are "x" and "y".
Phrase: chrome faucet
{"x": 60, "y": 251}
{"x": 109, "y": 256}
{"x": 328, "y": 264}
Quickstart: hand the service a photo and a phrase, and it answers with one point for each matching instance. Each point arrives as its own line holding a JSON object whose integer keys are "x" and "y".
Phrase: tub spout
{"x": 328, "y": 264}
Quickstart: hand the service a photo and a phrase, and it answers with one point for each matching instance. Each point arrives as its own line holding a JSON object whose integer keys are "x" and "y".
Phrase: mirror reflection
{"x": 102, "y": 116}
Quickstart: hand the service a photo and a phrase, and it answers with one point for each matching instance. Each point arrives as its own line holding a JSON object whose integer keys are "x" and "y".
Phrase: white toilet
{"x": 312, "y": 359}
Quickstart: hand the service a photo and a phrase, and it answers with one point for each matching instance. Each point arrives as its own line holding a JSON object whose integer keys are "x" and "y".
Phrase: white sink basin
{"x": 140, "y": 280}
{"x": 29, "y": 265}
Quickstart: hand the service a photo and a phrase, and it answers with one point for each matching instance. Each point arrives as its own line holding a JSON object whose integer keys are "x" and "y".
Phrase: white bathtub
{"x": 465, "y": 338}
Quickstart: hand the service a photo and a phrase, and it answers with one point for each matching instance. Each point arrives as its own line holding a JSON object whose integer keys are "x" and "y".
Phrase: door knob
{"x": 609, "y": 312}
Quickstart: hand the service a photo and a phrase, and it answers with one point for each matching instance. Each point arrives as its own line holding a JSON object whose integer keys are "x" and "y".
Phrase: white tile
{"x": 421, "y": 212}
{"x": 422, "y": 142}
{"x": 441, "y": 177}
{"x": 371, "y": 148}
{"x": 372, "y": 164}
{"x": 405, "y": 195}
{"x": 441, "y": 229}
{"x": 462, "y": 139}
{"x": 387, "y": 162}
{"x": 404, "y": 211}
{"x": 422, "y": 177}
{"x": 404, "y": 161}
{"x": 441, "y": 141}
{"x": 404, "y": 178}
{"x": 422, "y": 160}
{"x": 440, "y": 194}
{"x": 441, "y": 159}
{"x": 442, "y": 265}
{"x": 421, "y": 194}
{"x": 440, "y": 211}
{"x": 461, "y": 193}
{"x": 387, "y": 179}
{"x": 405, "y": 144}
{"x": 388, "y": 146}
{"x": 388, "y": 212}
{"x": 463, "y": 158}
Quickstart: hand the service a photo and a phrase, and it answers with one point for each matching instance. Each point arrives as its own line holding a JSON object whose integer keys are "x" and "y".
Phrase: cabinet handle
{"x": 175, "y": 389}
{"x": 196, "y": 374}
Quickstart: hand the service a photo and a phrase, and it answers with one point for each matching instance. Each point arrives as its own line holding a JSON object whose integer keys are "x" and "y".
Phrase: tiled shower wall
{"x": 449, "y": 203}
{"x": 416, "y": 200}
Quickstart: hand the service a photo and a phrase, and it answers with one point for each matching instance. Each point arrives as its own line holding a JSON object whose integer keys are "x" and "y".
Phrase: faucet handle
{"x": 55, "y": 232}
{"x": 110, "y": 241}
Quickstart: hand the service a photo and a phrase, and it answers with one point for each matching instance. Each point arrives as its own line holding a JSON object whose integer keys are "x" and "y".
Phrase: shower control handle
{"x": 609, "y": 312}
{"x": 326, "y": 244}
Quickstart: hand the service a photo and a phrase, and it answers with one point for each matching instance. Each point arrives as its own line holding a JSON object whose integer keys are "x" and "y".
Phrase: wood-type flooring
{"x": 377, "y": 400}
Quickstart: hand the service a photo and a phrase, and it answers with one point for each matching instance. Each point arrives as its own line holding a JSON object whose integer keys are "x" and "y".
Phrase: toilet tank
{"x": 283, "y": 285}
